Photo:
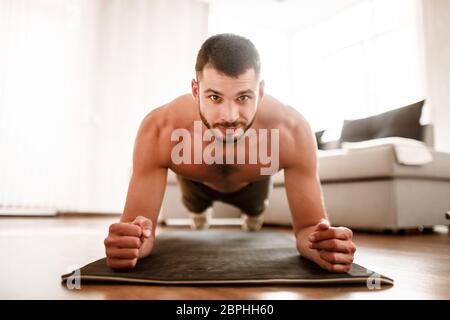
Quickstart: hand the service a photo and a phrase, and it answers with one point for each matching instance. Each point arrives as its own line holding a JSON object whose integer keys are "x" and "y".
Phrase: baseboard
{"x": 28, "y": 212}
{"x": 48, "y": 212}
{"x": 213, "y": 222}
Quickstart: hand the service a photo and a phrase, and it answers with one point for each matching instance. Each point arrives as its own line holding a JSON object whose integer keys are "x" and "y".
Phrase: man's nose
{"x": 230, "y": 113}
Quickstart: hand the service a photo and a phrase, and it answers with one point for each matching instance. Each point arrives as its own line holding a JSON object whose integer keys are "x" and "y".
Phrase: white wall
{"x": 436, "y": 22}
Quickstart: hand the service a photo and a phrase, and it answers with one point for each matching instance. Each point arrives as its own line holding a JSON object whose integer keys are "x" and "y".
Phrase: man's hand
{"x": 127, "y": 242}
{"x": 333, "y": 248}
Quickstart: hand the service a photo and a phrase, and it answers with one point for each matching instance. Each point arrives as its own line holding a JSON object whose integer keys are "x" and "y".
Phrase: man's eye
{"x": 243, "y": 98}
{"x": 214, "y": 97}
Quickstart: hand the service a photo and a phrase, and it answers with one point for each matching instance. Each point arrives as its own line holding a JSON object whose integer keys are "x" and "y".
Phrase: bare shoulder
{"x": 297, "y": 142}
{"x": 152, "y": 145}
{"x": 175, "y": 113}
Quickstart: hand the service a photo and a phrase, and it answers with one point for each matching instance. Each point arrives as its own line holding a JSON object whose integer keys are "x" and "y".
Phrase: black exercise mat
{"x": 225, "y": 257}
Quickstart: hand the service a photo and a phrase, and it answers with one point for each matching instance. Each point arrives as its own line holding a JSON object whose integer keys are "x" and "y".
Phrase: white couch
{"x": 370, "y": 189}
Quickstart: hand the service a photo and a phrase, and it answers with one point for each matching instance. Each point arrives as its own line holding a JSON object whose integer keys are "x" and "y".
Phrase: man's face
{"x": 227, "y": 104}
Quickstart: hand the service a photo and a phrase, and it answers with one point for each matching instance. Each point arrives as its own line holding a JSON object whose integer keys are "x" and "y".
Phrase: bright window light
{"x": 362, "y": 59}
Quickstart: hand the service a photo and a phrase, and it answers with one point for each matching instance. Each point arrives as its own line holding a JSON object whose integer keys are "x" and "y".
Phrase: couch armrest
{"x": 335, "y": 144}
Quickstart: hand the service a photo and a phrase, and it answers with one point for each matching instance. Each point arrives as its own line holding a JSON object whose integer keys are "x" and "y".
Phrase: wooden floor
{"x": 36, "y": 251}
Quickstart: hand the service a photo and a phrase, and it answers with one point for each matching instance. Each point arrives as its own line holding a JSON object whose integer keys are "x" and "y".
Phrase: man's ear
{"x": 194, "y": 87}
{"x": 261, "y": 90}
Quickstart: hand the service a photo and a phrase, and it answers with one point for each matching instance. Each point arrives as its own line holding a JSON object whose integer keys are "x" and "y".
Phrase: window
{"x": 355, "y": 60}
{"x": 362, "y": 61}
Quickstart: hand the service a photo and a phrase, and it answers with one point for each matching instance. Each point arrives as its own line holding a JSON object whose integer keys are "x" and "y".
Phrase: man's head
{"x": 228, "y": 87}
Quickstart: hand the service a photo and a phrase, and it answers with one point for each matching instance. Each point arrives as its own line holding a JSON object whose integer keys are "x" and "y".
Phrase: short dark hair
{"x": 229, "y": 54}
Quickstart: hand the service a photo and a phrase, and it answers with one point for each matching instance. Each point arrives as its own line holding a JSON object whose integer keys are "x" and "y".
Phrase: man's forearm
{"x": 301, "y": 236}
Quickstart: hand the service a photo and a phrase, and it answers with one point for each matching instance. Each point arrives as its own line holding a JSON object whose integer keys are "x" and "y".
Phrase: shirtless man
{"x": 227, "y": 100}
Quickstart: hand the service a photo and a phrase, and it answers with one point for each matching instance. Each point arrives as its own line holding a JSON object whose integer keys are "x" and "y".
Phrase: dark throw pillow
{"x": 319, "y": 141}
{"x": 403, "y": 122}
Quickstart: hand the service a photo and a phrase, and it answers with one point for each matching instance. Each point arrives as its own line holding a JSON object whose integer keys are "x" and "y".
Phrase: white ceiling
{"x": 284, "y": 15}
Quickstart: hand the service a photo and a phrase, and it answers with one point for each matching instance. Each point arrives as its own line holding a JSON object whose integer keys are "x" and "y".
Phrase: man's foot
{"x": 201, "y": 220}
{"x": 252, "y": 223}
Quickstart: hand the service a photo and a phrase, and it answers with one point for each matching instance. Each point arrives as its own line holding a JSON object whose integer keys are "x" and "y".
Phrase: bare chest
{"x": 221, "y": 177}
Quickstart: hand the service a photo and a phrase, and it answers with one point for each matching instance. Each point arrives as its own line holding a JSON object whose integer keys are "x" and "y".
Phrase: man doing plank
{"x": 224, "y": 141}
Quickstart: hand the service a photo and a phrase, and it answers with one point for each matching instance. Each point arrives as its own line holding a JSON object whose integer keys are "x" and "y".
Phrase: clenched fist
{"x": 333, "y": 247}
{"x": 129, "y": 241}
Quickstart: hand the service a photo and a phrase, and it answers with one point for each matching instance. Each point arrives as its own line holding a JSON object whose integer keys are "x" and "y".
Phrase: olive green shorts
{"x": 251, "y": 199}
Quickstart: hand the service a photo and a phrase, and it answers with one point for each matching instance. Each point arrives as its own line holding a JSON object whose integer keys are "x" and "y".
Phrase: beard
{"x": 240, "y": 125}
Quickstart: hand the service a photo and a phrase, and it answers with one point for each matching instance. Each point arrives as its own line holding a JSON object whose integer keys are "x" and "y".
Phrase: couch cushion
{"x": 403, "y": 122}
{"x": 407, "y": 151}
{"x": 378, "y": 162}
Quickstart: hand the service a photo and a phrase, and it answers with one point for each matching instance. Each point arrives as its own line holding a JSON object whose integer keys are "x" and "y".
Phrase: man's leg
{"x": 201, "y": 220}
{"x": 253, "y": 222}
{"x": 253, "y": 201}
{"x": 198, "y": 199}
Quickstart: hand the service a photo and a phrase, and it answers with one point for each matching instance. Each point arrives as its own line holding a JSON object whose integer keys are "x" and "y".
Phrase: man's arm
{"x": 149, "y": 178}
{"x": 133, "y": 237}
{"x": 331, "y": 248}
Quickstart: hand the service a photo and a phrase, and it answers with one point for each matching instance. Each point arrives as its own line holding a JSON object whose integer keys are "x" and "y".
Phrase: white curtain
{"x": 76, "y": 79}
